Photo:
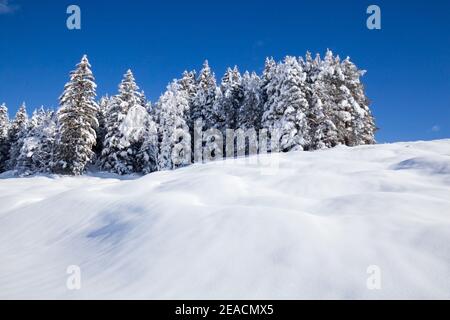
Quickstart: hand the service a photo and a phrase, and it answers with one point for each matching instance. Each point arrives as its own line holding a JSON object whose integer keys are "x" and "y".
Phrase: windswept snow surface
{"x": 234, "y": 229}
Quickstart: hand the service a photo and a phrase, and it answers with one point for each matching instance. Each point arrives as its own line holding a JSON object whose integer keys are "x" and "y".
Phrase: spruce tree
{"x": 362, "y": 121}
{"x": 228, "y": 103}
{"x": 323, "y": 132}
{"x": 203, "y": 102}
{"x": 175, "y": 141}
{"x": 4, "y": 141}
{"x": 267, "y": 82}
{"x": 124, "y": 128}
{"x": 36, "y": 154}
{"x": 287, "y": 111}
{"x": 140, "y": 131}
{"x": 17, "y": 134}
{"x": 103, "y": 108}
{"x": 330, "y": 81}
{"x": 251, "y": 109}
{"x": 77, "y": 122}
{"x": 201, "y": 115}
{"x": 188, "y": 82}
{"x": 147, "y": 156}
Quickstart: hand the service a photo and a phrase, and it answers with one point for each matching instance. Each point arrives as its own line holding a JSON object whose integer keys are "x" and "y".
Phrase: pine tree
{"x": 268, "y": 89}
{"x": 350, "y": 112}
{"x": 125, "y": 128}
{"x": 251, "y": 110}
{"x": 36, "y": 154}
{"x": 175, "y": 141}
{"x": 77, "y": 122}
{"x": 287, "y": 111}
{"x": 229, "y": 100}
{"x": 203, "y": 102}
{"x": 140, "y": 131}
{"x": 47, "y": 145}
{"x": 323, "y": 132}
{"x": 201, "y": 115}
{"x": 103, "y": 108}
{"x": 17, "y": 134}
{"x": 330, "y": 80}
{"x": 362, "y": 122}
{"x": 147, "y": 156}
{"x": 188, "y": 83}
{"x": 4, "y": 141}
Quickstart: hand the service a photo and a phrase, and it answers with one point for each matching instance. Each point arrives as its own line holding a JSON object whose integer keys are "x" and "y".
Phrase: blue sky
{"x": 408, "y": 60}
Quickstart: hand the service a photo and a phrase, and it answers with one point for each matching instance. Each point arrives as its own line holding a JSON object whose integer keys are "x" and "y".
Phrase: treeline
{"x": 310, "y": 103}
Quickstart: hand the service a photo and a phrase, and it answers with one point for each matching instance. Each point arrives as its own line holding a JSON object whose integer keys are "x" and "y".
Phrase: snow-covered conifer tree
{"x": 188, "y": 82}
{"x": 103, "y": 106}
{"x": 330, "y": 81}
{"x": 17, "y": 133}
{"x": 175, "y": 141}
{"x": 124, "y": 130}
{"x": 251, "y": 110}
{"x": 140, "y": 132}
{"x": 229, "y": 101}
{"x": 350, "y": 107}
{"x": 77, "y": 122}
{"x": 147, "y": 156}
{"x": 201, "y": 115}
{"x": 268, "y": 87}
{"x": 36, "y": 154}
{"x": 203, "y": 102}
{"x": 362, "y": 122}
{"x": 287, "y": 111}
{"x": 4, "y": 141}
{"x": 323, "y": 132}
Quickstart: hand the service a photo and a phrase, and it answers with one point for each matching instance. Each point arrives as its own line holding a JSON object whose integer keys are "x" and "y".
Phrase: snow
{"x": 228, "y": 229}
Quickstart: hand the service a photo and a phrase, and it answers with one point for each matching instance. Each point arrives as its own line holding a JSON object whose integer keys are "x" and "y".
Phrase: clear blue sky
{"x": 408, "y": 61}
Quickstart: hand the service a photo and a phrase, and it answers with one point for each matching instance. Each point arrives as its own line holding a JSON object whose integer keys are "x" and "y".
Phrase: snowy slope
{"x": 233, "y": 230}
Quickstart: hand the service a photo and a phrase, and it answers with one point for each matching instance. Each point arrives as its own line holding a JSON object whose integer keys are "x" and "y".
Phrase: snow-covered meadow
{"x": 233, "y": 229}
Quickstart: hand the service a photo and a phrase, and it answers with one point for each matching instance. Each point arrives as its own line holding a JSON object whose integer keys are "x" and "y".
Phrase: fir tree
{"x": 286, "y": 111}
{"x": 147, "y": 156}
{"x": 268, "y": 89}
{"x": 103, "y": 108}
{"x": 251, "y": 109}
{"x": 125, "y": 128}
{"x": 36, "y": 154}
{"x": 203, "y": 102}
{"x": 323, "y": 132}
{"x": 229, "y": 100}
{"x": 17, "y": 134}
{"x": 188, "y": 83}
{"x": 4, "y": 141}
{"x": 140, "y": 131}
{"x": 175, "y": 141}
{"x": 201, "y": 115}
{"x": 77, "y": 122}
{"x": 329, "y": 83}
{"x": 362, "y": 122}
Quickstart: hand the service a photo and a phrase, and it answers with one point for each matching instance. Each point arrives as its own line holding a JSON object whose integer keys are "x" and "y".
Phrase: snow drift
{"x": 230, "y": 230}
